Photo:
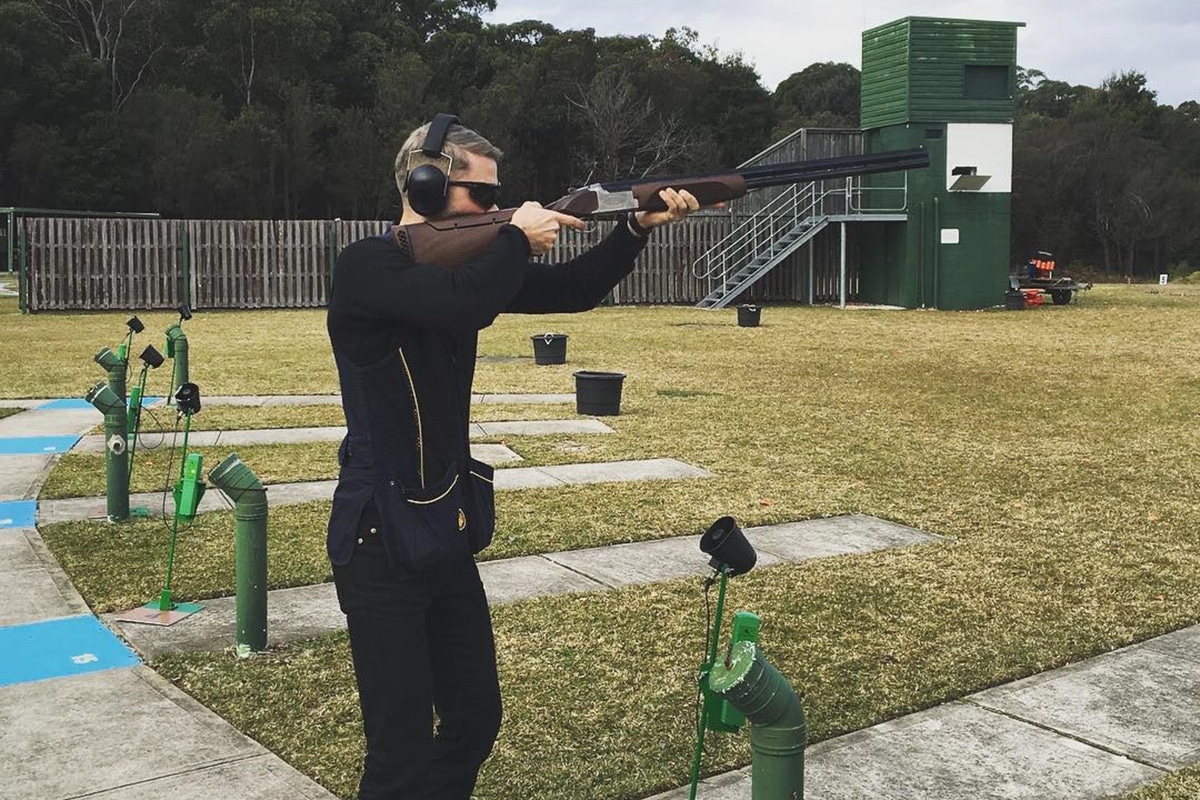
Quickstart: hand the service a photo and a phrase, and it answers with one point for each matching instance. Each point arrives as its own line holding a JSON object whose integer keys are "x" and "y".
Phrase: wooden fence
{"x": 98, "y": 264}
{"x": 91, "y": 264}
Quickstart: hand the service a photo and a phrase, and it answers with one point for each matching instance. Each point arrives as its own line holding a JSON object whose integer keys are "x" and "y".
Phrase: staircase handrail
{"x": 784, "y": 207}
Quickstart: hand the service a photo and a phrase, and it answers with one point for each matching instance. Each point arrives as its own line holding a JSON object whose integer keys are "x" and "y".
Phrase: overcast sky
{"x": 1077, "y": 42}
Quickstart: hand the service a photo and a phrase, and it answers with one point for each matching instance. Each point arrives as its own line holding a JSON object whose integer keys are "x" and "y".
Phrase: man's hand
{"x": 541, "y": 225}
{"x": 679, "y": 205}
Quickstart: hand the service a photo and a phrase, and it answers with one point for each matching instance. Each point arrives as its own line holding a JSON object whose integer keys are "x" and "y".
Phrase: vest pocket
{"x": 481, "y": 503}
{"x": 425, "y": 527}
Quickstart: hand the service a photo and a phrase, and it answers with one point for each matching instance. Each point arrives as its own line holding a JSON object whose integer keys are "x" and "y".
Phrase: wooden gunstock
{"x": 453, "y": 241}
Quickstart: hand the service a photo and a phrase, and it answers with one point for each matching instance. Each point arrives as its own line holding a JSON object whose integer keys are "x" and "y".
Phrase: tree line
{"x": 295, "y": 109}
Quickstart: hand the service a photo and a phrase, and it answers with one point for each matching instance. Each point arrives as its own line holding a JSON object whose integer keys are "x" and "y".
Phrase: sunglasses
{"x": 485, "y": 195}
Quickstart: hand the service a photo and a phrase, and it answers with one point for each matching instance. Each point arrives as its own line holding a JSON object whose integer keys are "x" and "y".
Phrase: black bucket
{"x": 550, "y": 348}
{"x": 598, "y": 393}
{"x": 1014, "y": 301}
{"x": 748, "y": 315}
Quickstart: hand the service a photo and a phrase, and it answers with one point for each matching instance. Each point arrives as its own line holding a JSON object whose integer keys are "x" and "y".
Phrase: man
{"x": 412, "y": 506}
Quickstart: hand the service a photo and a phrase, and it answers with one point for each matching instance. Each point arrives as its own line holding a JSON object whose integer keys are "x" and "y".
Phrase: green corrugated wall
{"x": 914, "y": 70}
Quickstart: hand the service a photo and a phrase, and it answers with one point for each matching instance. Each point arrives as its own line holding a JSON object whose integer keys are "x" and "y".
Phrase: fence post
{"x": 23, "y": 282}
{"x": 331, "y": 238}
{"x": 185, "y": 291}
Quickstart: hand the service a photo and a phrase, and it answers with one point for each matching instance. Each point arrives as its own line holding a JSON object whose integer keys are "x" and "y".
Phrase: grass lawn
{"x": 1181, "y": 785}
{"x": 1057, "y": 447}
{"x": 8, "y": 412}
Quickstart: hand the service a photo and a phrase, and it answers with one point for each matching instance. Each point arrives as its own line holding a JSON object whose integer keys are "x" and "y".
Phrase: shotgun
{"x": 453, "y": 241}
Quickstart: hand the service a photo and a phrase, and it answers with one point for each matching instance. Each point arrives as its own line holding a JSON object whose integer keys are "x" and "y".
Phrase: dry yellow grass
{"x": 1057, "y": 448}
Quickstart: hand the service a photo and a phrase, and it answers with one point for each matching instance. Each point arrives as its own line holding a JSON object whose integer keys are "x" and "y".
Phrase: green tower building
{"x": 946, "y": 85}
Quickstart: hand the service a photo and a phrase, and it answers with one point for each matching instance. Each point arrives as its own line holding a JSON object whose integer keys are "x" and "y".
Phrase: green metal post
{"x": 23, "y": 281}
{"x": 177, "y": 351}
{"x": 777, "y": 733}
{"x": 238, "y": 481}
{"x": 707, "y": 706}
{"x": 10, "y": 231}
{"x": 116, "y": 462}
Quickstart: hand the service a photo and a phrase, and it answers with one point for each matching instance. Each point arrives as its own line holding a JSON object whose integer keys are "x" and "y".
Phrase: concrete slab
{"x": 833, "y": 536}
{"x": 642, "y": 562}
{"x": 513, "y": 579}
{"x": 524, "y": 478}
{"x": 303, "y": 400}
{"x": 292, "y": 614}
{"x": 494, "y": 454}
{"x": 259, "y": 778}
{"x": 51, "y": 511}
{"x": 29, "y": 589}
{"x": 95, "y": 444}
{"x": 89, "y": 734}
{"x": 233, "y": 400}
{"x": 30, "y": 595}
{"x": 615, "y": 471}
{"x": 544, "y": 428}
{"x": 49, "y": 422}
{"x": 958, "y": 751}
{"x": 32, "y": 585}
{"x": 1140, "y": 702}
{"x": 1181, "y": 644}
{"x": 522, "y": 399}
{"x": 22, "y": 476}
{"x": 16, "y": 555}
{"x": 488, "y": 453}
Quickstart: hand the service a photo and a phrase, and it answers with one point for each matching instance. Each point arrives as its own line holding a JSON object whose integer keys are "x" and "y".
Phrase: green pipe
{"x": 116, "y": 462}
{"x": 116, "y": 367}
{"x": 177, "y": 351}
{"x": 250, "y": 512}
{"x": 777, "y": 732}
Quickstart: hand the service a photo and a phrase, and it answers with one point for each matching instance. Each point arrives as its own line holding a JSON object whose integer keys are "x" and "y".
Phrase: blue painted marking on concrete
{"x": 36, "y": 445}
{"x": 60, "y": 647}
{"x": 18, "y": 514}
{"x": 75, "y": 404}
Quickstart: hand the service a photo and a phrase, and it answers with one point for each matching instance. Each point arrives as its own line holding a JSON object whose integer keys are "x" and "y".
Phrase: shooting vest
{"x": 426, "y": 520}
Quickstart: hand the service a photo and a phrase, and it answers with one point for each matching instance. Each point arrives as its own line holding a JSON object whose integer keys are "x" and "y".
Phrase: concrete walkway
{"x": 308, "y": 611}
{"x": 79, "y": 715}
{"x": 281, "y": 494}
{"x": 477, "y": 430}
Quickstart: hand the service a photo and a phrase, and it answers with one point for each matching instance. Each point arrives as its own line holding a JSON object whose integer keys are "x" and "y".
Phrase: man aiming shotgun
{"x": 412, "y": 507}
{"x": 450, "y": 242}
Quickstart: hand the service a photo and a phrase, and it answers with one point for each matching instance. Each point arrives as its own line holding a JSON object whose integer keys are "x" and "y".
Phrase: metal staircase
{"x": 782, "y": 227}
{"x": 753, "y": 249}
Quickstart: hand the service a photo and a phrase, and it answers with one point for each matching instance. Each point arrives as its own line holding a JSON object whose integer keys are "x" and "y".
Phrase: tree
{"x": 823, "y": 95}
{"x": 120, "y": 35}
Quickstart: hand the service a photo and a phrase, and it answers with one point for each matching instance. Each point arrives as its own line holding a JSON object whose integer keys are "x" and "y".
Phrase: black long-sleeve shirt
{"x": 383, "y": 305}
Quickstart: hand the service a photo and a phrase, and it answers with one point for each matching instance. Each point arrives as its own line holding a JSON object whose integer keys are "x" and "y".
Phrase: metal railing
{"x": 797, "y": 209}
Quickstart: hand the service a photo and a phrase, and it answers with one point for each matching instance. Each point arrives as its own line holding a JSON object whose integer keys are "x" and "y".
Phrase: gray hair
{"x": 459, "y": 141}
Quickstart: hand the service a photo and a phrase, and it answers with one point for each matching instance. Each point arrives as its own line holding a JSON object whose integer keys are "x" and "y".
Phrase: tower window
{"x": 986, "y": 82}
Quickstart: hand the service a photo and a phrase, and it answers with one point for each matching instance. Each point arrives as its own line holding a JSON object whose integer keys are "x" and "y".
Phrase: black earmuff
{"x": 427, "y": 186}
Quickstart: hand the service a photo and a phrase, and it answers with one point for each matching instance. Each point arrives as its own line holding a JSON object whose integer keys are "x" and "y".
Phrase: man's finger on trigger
{"x": 569, "y": 221}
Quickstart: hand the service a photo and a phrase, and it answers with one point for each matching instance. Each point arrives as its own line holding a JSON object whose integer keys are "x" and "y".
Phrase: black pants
{"x": 421, "y": 644}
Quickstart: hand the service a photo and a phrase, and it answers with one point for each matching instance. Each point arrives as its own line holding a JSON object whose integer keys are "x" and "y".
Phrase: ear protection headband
{"x": 427, "y": 186}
